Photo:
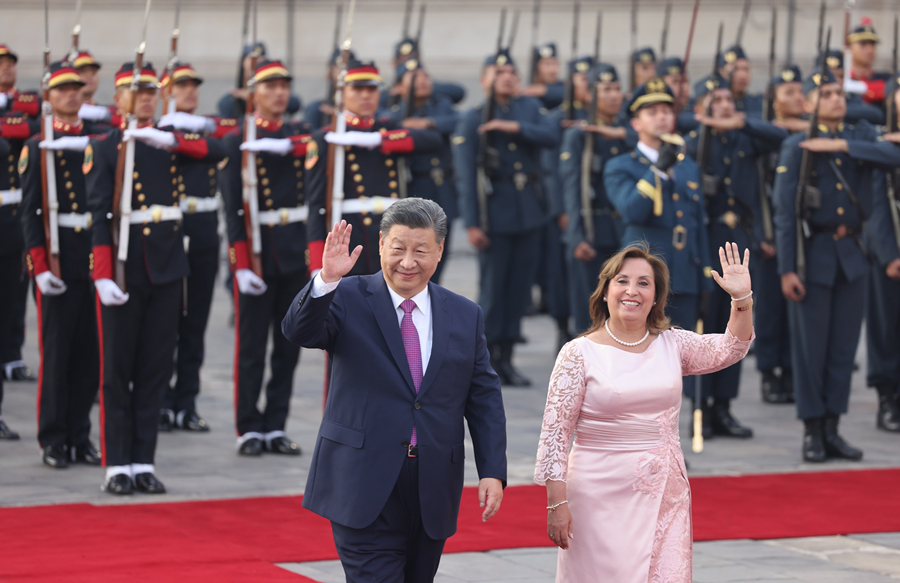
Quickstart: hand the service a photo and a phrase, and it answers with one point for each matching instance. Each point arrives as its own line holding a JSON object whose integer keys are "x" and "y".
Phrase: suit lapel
{"x": 440, "y": 335}
{"x": 383, "y": 309}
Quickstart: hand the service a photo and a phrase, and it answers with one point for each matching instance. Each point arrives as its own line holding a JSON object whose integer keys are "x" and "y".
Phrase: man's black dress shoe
{"x": 888, "y": 418}
{"x": 6, "y": 432}
{"x": 21, "y": 373}
{"x": 724, "y": 424}
{"x": 85, "y": 453}
{"x": 148, "y": 484}
{"x": 190, "y": 421}
{"x": 283, "y": 445}
{"x": 813, "y": 443}
{"x": 835, "y": 445}
{"x": 120, "y": 485}
{"x": 251, "y": 447}
{"x": 55, "y": 457}
{"x": 166, "y": 420}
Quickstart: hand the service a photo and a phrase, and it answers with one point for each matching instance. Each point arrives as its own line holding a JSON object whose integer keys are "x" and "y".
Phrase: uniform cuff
{"x": 239, "y": 256}
{"x": 191, "y": 145}
{"x": 38, "y": 260}
{"x": 397, "y": 142}
{"x": 315, "y": 250}
{"x": 300, "y": 143}
{"x": 102, "y": 263}
{"x": 15, "y": 130}
{"x": 27, "y": 105}
{"x": 224, "y": 126}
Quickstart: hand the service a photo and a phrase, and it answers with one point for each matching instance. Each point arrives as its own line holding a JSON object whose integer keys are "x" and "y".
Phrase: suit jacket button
{"x": 417, "y": 406}
{"x": 404, "y": 443}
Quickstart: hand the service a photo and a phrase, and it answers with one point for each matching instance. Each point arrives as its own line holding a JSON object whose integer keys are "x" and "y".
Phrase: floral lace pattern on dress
{"x": 706, "y": 353}
{"x": 564, "y": 399}
{"x": 670, "y": 559}
{"x": 653, "y": 465}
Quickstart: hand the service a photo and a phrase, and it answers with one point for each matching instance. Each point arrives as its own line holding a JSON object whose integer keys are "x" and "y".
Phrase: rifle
{"x": 891, "y": 114}
{"x": 848, "y": 56}
{"x": 76, "y": 32}
{"x": 821, "y": 32}
{"x": 169, "y": 103}
{"x": 709, "y": 183}
{"x": 762, "y": 162}
{"x": 488, "y": 157}
{"x": 407, "y": 14}
{"x": 403, "y": 174}
{"x": 634, "y": 12}
{"x": 690, "y": 40}
{"x": 665, "y": 32}
{"x": 587, "y": 155}
{"x": 121, "y": 224}
{"x": 241, "y": 82}
{"x": 329, "y": 97}
{"x": 49, "y": 200}
{"x": 248, "y": 169}
{"x": 744, "y": 15}
{"x": 535, "y": 25}
{"x": 569, "y": 99}
{"x": 336, "y": 155}
{"x": 808, "y": 195}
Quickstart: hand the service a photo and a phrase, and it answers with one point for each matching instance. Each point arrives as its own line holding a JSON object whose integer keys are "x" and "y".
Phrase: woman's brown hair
{"x": 657, "y": 321}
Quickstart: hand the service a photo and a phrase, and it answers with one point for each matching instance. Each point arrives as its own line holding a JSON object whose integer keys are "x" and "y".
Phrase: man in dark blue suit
{"x": 410, "y": 362}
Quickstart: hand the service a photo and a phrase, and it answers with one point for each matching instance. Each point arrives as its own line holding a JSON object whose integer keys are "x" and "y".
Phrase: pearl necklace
{"x": 613, "y": 336}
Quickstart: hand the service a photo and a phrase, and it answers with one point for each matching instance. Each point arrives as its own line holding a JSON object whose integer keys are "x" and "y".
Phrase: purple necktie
{"x": 413, "y": 351}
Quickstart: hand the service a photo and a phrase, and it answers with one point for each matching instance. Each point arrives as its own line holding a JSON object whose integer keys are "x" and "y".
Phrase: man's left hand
{"x": 723, "y": 124}
{"x": 418, "y": 123}
{"x": 500, "y": 125}
{"x": 893, "y": 269}
{"x": 824, "y": 145}
{"x": 490, "y": 493}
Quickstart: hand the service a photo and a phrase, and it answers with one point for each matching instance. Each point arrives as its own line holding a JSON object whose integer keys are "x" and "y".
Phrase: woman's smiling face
{"x": 631, "y": 292}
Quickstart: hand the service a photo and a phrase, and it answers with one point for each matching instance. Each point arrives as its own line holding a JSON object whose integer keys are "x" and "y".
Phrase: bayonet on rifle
{"x": 49, "y": 199}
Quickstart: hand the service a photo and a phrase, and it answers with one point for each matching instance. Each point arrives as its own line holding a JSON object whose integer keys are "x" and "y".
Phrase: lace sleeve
{"x": 564, "y": 399}
{"x": 706, "y": 353}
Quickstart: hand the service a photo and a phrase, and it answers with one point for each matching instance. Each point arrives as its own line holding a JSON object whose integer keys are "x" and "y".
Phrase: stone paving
{"x": 205, "y": 466}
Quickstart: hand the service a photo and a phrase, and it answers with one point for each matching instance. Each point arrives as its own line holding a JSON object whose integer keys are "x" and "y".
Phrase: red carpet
{"x": 239, "y": 540}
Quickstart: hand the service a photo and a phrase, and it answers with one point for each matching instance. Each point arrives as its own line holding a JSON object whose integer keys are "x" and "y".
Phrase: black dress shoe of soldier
{"x": 724, "y": 424}
{"x": 120, "y": 485}
{"x": 6, "y": 432}
{"x": 251, "y": 447}
{"x": 147, "y": 483}
{"x": 509, "y": 376}
{"x": 835, "y": 445}
{"x": 772, "y": 389}
{"x": 190, "y": 421}
{"x": 888, "y": 409}
{"x": 55, "y": 457}
{"x": 166, "y": 420}
{"x": 21, "y": 373}
{"x": 85, "y": 453}
{"x": 813, "y": 440}
{"x": 284, "y": 446}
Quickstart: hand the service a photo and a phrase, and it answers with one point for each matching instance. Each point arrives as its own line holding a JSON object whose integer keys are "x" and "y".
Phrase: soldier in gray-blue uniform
{"x": 318, "y": 113}
{"x": 857, "y": 109}
{"x": 827, "y": 293}
{"x": 657, "y": 191}
{"x": 883, "y": 307}
{"x": 508, "y": 236}
{"x": 545, "y": 82}
{"x": 671, "y": 71}
{"x": 643, "y": 66}
{"x": 233, "y": 104}
{"x": 408, "y": 49}
{"x": 590, "y": 243}
{"x": 734, "y": 66}
{"x": 430, "y": 175}
{"x": 731, "y": 193}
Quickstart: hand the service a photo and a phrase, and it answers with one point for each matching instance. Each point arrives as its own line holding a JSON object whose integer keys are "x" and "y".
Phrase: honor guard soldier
{"x": 857, "y": 109}
{"x": 735, "y": 67}
{"x": 823, "y": 267}
{"x": 14, "y": 103}
{"x": 672, "y": 72}
{"x": 408, "y": 49}
{"x": 268, "y": 255}
{"x": 70, "y": 355}
{"x": 197, "y": 185}
{"x": 773, "y": 339}
{"x": 594, "y": 227}
{"x": 232, "y": 104}
{"x": 371, "y": 180}
{"x": 730, "y": 187}
{"x": 862, "y": 41}
{"x": 89, "y": 70}
{"x": 883, "y": 307}
{"x": 499, "y": 180}
{"x": 657, "y": 191}
{"x": 139, "y": 324}
{"x": 430, "y": 176}
{"x": 643, "y": 66}
{"x": 318, "y": 113}
{"x": 546, "y": 84}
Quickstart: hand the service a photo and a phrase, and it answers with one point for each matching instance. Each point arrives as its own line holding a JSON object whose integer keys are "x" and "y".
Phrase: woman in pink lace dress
{"x": 619, "y": 503}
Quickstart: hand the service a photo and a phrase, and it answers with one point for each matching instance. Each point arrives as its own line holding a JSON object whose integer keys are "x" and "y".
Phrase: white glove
{"x": 4, "y": 99}
{"x": 370, "y": 140}
{"x": 94, "y": 112}
{"x": 249, "y": 283}
{"x": 184, "y": 121}
{"x": 109, "y": 292}
{"x": 854, "y": 86}
{"x": 280, "y": 146}
{"x": 152, "y": 137}
{"x": 49, "y": 284}
{"x": 74, "y": 143}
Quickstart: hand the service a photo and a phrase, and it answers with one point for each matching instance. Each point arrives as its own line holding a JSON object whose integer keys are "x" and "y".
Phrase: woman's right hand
{"x": 559, "y": 526}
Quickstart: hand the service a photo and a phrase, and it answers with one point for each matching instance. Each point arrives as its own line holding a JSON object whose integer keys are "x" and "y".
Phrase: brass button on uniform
{"x": 389, "y": 162}
{"x": 679, "y": 214}
{"x": 138, "y": 186}
{"x": 141, "y": 197}
{"x": 517, "y": 165}
{"x": 262, "y": 171}
{"x": 435, "y": 161}
{"x": 392, "y": 184}
{"x": 352, "y": 157}
{"x": 840, "y": 210}
{"x": 392, "y": 173}
{"x": 839, "y": 186}
{"x": 357, "y": 177}
{"x": 173, "y": 169}
{"x": 143, "y": 207}
{"x": 174, "y": 181}
{"x": 212, "y": 171}
{"x": 259, "y": 160}
{"x": 360, "y": 189}
{"x": 269, "y": 202}
{"x": 146, "y": 231}
{"x": 837, "y": 161}
{"x": 181, "y": 187}
{"x": 71, "y": 196}
{"x": 267, "y": 191}
{"x": 675, "y": 197}
{"x": 66, "y": 174}
{"x": 296, "y": 163}
{"x": 354, "y": 167}
{"x": 730, "y": 202}
{"x": 299, "y": 185}
{"x": 264, "y": 181}
{"x": 512, "y": 146}
{"x": 69, "y": 185}
{"x": 74, "y": 206}
{"x": 727, "y": 161}
{"x": 367, "y": 221}
{"x": 727, "y": 180}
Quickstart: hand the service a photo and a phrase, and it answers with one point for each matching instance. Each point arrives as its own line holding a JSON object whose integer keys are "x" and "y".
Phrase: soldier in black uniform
{"x": 371, "y": 180}
{"x": 70, "y": 355}
{"x": 197, "y": 185}
{"x": 138, "y": 325}
{"x": 232, "y": 104}
{"x": 261, "y": 302}
{"x": 430, "y": 176}
{"x": 508, "y": 237}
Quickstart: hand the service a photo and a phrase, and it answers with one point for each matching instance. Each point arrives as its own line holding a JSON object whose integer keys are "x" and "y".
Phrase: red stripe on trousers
{"x": 237, "y": 346}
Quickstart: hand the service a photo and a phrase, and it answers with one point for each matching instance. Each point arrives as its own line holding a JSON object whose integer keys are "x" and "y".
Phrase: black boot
{"x": 512, "y": 376}
{"x": 787, "y": 384}
{"x": 772, "y": 388}
{"x": 563, "y": 334}
{"x": 707, "y": 420}
{"x": 813, "y": 441}
{"x": 724, "y": 423}
{"x": 888, "y": 409}
{"x": 835, "y": 445}
{"x": 494, "y": 351}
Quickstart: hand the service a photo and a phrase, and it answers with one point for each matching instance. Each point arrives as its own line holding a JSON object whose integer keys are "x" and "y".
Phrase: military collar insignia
{"x": 67, "y": 128}
{"x": 359, "y": 123}
{"x": 267, "y": 124}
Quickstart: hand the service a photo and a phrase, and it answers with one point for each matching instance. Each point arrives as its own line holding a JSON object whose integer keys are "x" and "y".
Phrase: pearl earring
{"x": 604, "y": 298}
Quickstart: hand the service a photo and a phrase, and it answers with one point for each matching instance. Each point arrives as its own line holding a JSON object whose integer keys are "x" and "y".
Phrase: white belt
{"x": 375, "y": 204}
{"x": 10, "y": 197}
{"x": 192, "y": 204}
{"x": 75, "y": 220}
{"x": 155, "y": 214}
{"x": 283, "y": 216}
